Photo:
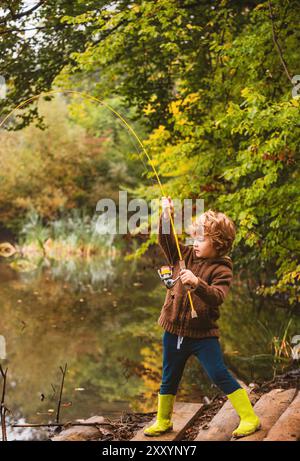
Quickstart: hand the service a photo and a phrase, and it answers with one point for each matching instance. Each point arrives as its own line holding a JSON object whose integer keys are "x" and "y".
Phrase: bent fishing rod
{"x": 132, "y": 131}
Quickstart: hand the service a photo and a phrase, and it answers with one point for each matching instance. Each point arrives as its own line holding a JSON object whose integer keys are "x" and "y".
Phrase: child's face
{"x": 203, "y": 247}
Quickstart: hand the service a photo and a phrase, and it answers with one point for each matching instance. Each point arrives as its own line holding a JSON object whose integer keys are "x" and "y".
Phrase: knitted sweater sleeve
{"x": 166, "y": 240}
{"x": 216, "y": 292}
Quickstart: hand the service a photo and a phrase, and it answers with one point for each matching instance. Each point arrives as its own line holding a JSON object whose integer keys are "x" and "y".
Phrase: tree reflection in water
{"x": 100, "y": 316}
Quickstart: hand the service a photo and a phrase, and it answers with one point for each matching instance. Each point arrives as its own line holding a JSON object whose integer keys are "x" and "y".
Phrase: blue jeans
{"x": 176, "y": 351}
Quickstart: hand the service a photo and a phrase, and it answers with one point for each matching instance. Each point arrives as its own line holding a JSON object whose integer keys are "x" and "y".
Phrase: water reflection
{"x": 100, "y": 316}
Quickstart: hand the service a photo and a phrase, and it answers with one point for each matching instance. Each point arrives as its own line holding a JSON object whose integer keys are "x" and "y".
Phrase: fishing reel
{"x": 165, "y": 274}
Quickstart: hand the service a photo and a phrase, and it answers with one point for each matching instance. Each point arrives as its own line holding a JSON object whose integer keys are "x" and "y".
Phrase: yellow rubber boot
{"x": 249, "y": 422}
{"x": 163, "y": 421}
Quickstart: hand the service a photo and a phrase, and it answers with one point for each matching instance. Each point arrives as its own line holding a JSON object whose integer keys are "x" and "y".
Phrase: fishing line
{"x": 131, "y": 130}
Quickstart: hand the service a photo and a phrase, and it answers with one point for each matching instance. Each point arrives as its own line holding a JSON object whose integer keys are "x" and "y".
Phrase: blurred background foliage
{"x": 206, "y": 84}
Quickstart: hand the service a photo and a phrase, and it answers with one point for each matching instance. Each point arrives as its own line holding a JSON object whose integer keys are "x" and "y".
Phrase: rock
{"x": 7, "y": 249}
{"x": 92, "y": 420}
{"x": 81, "y": 433}
{"x": 253, "y": 386}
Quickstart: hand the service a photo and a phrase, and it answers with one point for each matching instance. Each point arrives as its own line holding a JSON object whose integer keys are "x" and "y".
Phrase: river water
{"x": 99, "y": 316}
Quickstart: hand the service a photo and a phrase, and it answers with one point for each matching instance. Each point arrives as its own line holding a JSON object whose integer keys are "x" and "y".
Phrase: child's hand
{"x": 188, "y": 278}
{"x": 167, "y": 202}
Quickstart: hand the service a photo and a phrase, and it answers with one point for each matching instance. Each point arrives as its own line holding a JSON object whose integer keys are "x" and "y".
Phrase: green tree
{"x": 212, "y": 83}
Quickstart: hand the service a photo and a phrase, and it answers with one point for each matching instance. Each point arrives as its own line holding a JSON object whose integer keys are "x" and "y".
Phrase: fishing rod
{"x": 131, "y": 130}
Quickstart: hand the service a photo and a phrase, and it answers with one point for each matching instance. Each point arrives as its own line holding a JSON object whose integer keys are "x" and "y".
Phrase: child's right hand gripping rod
{"x": 167, "y": 204}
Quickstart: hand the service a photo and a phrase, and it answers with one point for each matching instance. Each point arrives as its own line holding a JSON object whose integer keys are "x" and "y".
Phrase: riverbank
{"x": 125, "y": 427}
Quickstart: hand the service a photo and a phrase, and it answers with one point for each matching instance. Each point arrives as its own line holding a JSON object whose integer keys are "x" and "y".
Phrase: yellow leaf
{"x": 174, "y": 107}
{"x": 149, "y": 109}
{"x": 191, "y": 98}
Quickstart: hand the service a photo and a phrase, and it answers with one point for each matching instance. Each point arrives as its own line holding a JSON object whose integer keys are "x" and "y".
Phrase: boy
{"x": 208, "y": 276}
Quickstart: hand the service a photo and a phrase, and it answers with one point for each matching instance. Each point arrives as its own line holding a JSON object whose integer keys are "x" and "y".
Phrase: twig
{"x": 54, "y": 390}
{"x": 38, "y": 425}
{"x": 3, "y": 408}
{"x": 63, "y": 424}
{"x": 278, "y": 45}
{"x": 63, "y": 371}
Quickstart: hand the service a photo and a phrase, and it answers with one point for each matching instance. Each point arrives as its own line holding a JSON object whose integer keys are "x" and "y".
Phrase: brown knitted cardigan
{"x": 214, "y": 279}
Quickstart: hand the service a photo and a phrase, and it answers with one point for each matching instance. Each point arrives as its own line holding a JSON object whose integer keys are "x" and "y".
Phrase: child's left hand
{"x": 188, "y": 278}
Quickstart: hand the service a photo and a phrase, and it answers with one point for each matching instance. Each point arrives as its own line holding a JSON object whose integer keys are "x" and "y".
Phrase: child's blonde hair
{"x": 219, "y": 227}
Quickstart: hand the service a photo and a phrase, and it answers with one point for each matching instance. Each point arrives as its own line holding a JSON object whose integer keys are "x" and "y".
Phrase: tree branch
{"x": 3, "y": 408}
{"x": 278, "y": 45}
{"x": 37, "y": 28}
{"x": 13, "y": 17}
{"x": 63, "y": 371}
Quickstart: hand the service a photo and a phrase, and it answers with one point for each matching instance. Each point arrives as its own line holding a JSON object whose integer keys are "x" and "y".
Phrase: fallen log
{"x": 287, "y": 427}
